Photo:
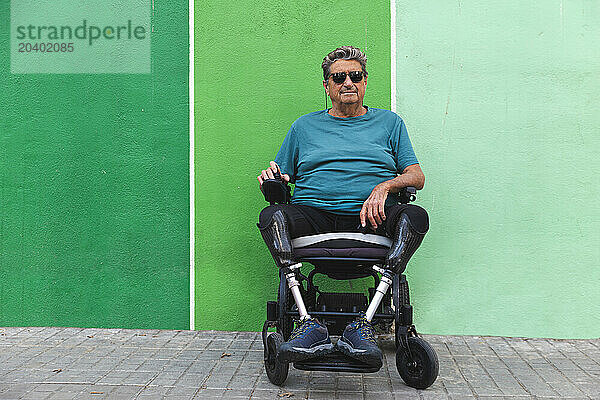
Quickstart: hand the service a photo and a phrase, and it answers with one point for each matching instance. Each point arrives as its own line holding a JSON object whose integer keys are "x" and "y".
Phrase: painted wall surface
{"x": 257, "y": 69}
{"x": 501, "y": 99}
{"x": 94, "y": 190}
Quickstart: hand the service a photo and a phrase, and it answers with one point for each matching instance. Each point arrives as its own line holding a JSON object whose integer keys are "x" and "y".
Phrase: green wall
{"x": 257, "y": 69}
{"x": 94, "y": 190}
{"x": 501, "y": 99}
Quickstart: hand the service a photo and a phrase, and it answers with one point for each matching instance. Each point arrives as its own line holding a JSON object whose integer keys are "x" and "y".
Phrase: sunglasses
{"x": 340, "y": 77}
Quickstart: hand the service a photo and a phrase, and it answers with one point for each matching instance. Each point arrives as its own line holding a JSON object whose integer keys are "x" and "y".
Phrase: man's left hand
{"x": 373, "y": 208}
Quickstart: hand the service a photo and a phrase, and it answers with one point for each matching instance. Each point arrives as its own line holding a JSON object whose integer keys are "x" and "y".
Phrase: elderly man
{"x": 348, "y": 163}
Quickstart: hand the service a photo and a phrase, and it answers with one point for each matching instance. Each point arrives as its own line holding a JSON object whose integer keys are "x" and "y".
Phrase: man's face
{"x": 347, "y": 92}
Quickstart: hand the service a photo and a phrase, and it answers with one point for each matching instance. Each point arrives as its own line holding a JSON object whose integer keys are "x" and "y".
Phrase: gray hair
{"x": 344, "y": 53}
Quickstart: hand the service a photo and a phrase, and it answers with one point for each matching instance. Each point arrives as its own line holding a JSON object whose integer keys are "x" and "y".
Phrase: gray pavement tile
{"x": 566, "y": 389}
{"x": 153, "y": 392}
{"x": 348, "y": 395}
{"x": 501, "y": 398}
{"x": 271, "y": 393}
{"x": 139, "y": 378}
{"x": 178, "y": 365}
{"x": 92, "y": 396}
{"x": 198, "y": 344}
{"x": 237, "y": 393}
{"x": 319, "y": 383}
{"x": 376, "y": 384}
{"x": 487, "y": 391}
{"x": 579, "y": 377}
{"x": 210, "y": 354}
{"x": 242, "y": 344}
{"x": 257, "y": 345}
{"x": 62, "y": 396}
{"x": 204, "y": 367}
{"x": 406, "y": 396}
{"x": 590, "y": 389}
{"x": 192, "y": 380}
{"x": 182, "y": 397}
{"x": 427, "y": 395}
{"x": 124, "y": 392}
{"x": 320, "y": 395}
{"x": 378, "y": 395}
{"x": 221, "y": 344}
{"x": 183, "y": 391}
{"x": 346, "y": 383}
{"x": 242, "y": 381}
{"x": 33, "y": 395}
{"x": 209, "y": 393}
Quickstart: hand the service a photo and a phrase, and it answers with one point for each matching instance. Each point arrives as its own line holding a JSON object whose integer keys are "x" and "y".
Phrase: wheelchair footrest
{"x": 337, "y": 362}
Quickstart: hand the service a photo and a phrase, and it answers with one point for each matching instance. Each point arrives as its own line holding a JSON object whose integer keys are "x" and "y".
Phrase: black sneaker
{"x": 309, "y": 339}
{"x": 358, "y": 341}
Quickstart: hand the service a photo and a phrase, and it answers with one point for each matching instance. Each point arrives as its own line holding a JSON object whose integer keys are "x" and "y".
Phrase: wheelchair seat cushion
{"x": 342, "y": 245}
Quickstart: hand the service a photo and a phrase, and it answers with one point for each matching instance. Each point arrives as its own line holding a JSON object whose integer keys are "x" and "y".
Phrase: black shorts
{"x": 305, "y": 220}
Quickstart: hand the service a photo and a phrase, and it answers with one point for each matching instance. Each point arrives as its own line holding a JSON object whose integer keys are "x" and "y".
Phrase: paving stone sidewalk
{"x": 73, "y": 363}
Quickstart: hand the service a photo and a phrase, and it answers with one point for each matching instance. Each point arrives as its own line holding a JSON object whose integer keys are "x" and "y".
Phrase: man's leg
{"x": 275, "y": 230}
{"x": 406, "y": 225}
{"x": 278, "y": 224}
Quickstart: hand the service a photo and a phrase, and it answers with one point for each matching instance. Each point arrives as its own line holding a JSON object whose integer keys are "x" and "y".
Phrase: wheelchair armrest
{"x": 407, "y": 194}
{"x": 276, "y": 191}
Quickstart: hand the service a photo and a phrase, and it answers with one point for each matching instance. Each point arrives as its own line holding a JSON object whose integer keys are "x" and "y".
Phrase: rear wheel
{"x": 420, "y": 368}
{"x": 277, "y": 372}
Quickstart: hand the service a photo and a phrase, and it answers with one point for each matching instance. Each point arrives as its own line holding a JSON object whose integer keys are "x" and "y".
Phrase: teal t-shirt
{"x": 336, "y": 162}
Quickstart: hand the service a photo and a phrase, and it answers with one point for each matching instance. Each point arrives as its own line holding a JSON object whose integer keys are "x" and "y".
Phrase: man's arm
{"x": 373, "y": 208}
{"x": 411, "y": 176}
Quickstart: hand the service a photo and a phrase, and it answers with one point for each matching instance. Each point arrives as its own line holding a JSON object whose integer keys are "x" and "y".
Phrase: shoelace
{"x": 301, "y": 330}
{"x": 365, "y": 330}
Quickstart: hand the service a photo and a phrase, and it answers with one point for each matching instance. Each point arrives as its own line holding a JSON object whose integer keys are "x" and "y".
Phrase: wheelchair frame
{"x": 416, "y": 360}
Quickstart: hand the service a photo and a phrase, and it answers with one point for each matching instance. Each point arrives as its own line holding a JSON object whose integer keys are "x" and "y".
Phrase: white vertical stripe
{"x": 192, "y": 184}
{"x": 393, "y": 53}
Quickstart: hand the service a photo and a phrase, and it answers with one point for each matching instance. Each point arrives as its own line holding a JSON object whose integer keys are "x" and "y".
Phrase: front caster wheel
{"x": 276, "y": 371}
{"x": 422, "y": 369}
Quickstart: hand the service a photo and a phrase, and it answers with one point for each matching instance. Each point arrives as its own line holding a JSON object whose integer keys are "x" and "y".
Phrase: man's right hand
{"x": 269, "y": 173}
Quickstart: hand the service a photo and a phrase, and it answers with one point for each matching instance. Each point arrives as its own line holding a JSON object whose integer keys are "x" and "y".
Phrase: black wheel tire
{"x": 285, "y": 322}
{"x": 423, "y": 369}
{"x": 401, "y": 297}
{"x": 276, "y": 371}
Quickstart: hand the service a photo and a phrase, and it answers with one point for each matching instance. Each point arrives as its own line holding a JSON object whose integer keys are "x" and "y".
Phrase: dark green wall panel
{"x": 94, "y": 190}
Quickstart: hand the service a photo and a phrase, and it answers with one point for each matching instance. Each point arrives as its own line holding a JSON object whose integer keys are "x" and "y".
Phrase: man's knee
{"x": 417, "y": 217}
{"x": 267, "y": 213}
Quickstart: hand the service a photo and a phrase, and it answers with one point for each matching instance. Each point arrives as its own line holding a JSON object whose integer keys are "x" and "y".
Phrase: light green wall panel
{"x": 501, "y": 100}
{"x": 94, "y": 190}
{"x": 257, "y": 69}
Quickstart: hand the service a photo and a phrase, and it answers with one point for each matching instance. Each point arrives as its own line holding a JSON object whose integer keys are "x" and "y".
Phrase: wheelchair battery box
{"x": 342, "y": 302}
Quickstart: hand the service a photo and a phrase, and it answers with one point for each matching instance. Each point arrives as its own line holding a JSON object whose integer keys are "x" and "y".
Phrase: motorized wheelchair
{"x": 344, "y": 256}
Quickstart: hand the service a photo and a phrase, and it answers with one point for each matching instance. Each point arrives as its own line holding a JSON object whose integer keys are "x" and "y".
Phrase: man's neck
{"x": 347, "y": 110}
